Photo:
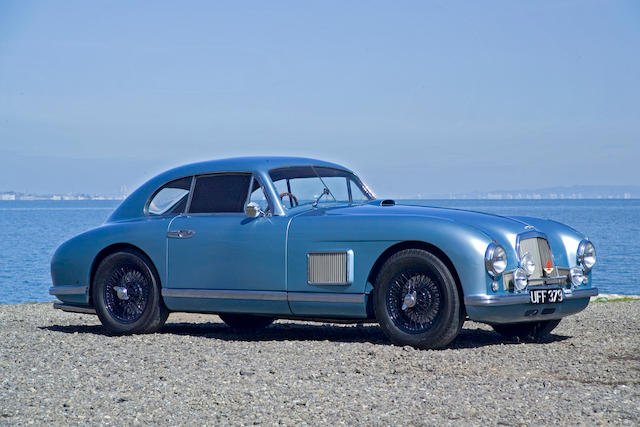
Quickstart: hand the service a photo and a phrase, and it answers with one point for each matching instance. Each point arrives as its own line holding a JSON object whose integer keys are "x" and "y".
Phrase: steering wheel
{"x": 291, "y": 197}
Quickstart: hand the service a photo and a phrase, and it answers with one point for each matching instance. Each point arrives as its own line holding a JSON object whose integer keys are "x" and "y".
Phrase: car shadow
{"x": 293, "y": 331}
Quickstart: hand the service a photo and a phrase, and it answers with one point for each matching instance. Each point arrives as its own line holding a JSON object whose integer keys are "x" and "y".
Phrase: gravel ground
{"x": 59, "y": 368}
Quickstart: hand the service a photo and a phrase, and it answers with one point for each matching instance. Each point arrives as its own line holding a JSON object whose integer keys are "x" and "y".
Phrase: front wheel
{"x": 246, "y": 321}
{"x": 126, "y": 294}
{"x": 416, "y": 300}
{"x": 531, "y": 331}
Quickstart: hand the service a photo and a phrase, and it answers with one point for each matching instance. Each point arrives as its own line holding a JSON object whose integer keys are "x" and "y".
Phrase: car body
{"x": 226, "y": 237}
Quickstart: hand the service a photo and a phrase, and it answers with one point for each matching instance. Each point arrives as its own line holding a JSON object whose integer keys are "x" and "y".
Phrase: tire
{"x": 246, "y": 321}
{"x": 136, "y": 307}
{"x": 531, "y": 331}
{"x": 416, "y": 300}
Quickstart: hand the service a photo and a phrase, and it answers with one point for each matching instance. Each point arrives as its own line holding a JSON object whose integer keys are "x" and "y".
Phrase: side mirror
{"x": 252, "y": 210}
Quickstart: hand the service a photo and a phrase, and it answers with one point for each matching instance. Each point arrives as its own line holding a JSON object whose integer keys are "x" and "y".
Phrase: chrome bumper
{"x": 68, "y": 290}
{"x": 73, "y": 308}
{"x": 494, "y": 300}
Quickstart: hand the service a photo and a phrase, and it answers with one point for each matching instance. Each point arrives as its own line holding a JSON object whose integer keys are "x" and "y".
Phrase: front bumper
{"x": 518, "y": 308}
{"x": 494, "y": 300}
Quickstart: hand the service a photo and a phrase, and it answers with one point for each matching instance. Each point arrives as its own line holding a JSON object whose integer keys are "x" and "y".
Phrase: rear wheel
{"x": 246, "y": 321}
{"x": 126, "y": 294}
{"x": 416, "y": 300}
{"x": 531, "y": 331}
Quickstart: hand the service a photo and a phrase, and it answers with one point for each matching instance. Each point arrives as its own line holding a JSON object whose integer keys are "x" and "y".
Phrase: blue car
{"x": 262, "y": 238}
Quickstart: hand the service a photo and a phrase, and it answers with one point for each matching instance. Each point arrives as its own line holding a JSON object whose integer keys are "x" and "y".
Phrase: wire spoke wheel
{"x": 414, "y": 301}
{"x": 126, "y": 293}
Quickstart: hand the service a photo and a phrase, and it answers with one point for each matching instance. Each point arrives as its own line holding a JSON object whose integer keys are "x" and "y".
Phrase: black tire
{"x": 136, "y": 306}
{"x": 246, "y": 321}
{"x": 417, "y": 277}
{"x": 531, "y": 331}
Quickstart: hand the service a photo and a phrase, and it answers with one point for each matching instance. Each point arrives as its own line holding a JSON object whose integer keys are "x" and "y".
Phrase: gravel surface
{"x": 59, "y": 368}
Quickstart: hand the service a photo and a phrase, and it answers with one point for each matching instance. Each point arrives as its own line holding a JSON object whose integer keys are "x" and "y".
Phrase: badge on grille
{"x": 548, "y": 269}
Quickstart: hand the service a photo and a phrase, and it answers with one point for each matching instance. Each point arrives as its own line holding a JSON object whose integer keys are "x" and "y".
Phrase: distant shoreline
{"x": 62, "y": 199}
{"x": 471, "y": 199}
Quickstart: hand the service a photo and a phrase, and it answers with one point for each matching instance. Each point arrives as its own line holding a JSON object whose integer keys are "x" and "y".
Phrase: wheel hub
{"x": 122, "y": 292}
{"x": 409, "y": 300}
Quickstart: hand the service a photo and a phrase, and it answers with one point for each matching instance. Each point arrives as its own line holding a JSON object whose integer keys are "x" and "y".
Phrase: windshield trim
{"x": 349, "y": 175}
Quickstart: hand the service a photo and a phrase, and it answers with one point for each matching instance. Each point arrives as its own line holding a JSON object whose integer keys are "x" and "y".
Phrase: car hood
{"x": 500, "y": 228}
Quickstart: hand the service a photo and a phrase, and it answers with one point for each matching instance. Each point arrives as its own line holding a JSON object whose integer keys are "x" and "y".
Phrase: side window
{"x": 258, "y": 196}
{"x": 171, "y": 198}
{"x": 221, "y": 193}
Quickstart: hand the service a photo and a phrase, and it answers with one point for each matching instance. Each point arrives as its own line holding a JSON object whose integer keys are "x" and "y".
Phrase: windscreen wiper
{"x": 324, "y": 191}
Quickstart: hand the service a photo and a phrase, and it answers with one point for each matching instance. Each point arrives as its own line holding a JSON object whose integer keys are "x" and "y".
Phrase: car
{"x": 256, "y": 239}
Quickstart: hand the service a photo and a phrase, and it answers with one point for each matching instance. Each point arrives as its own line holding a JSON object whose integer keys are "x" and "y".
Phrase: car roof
{"x": 247, "y": 164}
{"x": 132, "y": 206}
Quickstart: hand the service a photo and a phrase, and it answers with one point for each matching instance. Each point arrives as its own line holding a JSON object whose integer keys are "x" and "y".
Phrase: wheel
{"x": 416, "y": 300}
{"x": 531, "y": 331}
{"x": 246, "y": 321}
{"x": 126, "y": 294}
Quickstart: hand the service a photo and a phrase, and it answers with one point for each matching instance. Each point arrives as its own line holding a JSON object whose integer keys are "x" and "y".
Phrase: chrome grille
{"x": 541, "y": 252}
{"x": 327, "y": 268}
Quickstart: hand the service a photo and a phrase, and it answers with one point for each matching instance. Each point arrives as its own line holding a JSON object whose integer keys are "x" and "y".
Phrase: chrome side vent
{"x": 330, "y": 268}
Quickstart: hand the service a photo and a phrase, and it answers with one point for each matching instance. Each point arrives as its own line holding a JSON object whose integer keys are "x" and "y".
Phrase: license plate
{"x": 545, "y": 296}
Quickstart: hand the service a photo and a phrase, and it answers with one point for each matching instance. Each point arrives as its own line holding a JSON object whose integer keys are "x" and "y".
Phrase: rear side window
{"x": 222, "y": 193}
{"x": 171, "y": 198}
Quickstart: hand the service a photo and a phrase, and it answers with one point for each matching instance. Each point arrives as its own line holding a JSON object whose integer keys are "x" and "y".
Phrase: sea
{"x": 30, "y": 232}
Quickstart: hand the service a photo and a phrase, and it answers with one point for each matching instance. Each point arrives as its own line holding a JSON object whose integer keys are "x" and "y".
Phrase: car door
{"x": 219, "y": 259}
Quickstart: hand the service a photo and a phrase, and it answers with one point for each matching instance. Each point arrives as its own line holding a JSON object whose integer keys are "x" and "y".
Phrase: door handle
{"x": 181, "y": 234}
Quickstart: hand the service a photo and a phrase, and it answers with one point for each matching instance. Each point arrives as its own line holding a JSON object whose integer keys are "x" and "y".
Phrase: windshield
{"x": 302, "y": 185}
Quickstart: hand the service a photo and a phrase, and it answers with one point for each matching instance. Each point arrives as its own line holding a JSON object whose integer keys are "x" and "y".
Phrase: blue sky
{"x": 418, "y": 97}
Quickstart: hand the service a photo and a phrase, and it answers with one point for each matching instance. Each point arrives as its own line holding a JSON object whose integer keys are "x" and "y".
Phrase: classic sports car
{"x": 256, "y": 239}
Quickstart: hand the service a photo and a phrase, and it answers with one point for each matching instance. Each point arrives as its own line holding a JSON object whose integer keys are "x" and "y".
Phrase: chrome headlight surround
{"x": 586, "y": 255}
{"x": 495, "y": 260}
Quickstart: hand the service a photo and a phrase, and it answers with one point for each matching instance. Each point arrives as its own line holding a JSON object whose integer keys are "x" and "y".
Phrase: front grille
{"x": 327, "y": 268}
{"x": 541, "y": 252}
{"x": 539, "y": 249}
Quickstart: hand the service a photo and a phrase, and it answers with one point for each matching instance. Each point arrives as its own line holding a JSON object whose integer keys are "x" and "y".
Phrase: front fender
{"x": 370, "y": 236}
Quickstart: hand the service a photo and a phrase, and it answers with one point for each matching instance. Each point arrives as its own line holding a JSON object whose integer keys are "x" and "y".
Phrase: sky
{"x": 417, "y": 97}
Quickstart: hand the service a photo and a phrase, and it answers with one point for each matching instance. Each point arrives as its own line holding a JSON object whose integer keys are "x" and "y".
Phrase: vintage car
{"x": 257, "y": 239}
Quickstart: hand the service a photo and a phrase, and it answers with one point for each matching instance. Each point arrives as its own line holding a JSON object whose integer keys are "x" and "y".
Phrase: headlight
{"x": 520, "y": 279}
{"x": 495, "y": 260}
{"x": 577, "y": 276}
{"x": 528, "y": 264}
{"x": 586, "y": 255}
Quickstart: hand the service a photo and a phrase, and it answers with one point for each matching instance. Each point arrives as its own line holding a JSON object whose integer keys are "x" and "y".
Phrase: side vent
{"x": 388, "y": 202}
{"x": 330, "y": 268}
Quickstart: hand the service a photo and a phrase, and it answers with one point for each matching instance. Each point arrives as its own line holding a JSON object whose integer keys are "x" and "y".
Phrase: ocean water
{"x": 30, "y": 231}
